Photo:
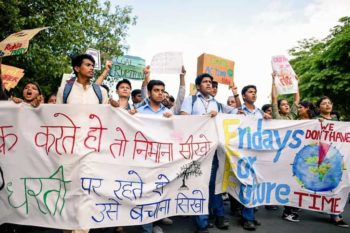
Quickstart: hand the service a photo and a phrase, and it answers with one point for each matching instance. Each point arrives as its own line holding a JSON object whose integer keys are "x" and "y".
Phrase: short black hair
{"x": 35, "y": 84}
{"x": 265, "y": 107}
{"x": 135, "y": 92}
{"x": 171, "y": 99}
{"x": 200, "y": 78}
{"x": 121, "y": 82}
{"x": 280, "y": 101}
{"x": 245, "y": 89}
{"x": 318, "y": 103}
{"x": 78, "y": 60}
{"x": 154, "y": 83}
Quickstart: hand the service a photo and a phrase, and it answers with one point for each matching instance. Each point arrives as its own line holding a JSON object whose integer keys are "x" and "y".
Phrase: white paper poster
{"x": 167, "y": 63}
{"x": 285, "y": 81}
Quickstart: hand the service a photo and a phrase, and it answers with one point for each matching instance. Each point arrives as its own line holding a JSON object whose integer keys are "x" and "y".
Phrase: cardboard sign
{"x": 220, "y": 68}
{"x": 97, "y": 57}
{"x": 10, "y": 76}
{"x": 167, "y": 63}
{"x": 128, "y": 67}
{"x": 17, "y": 43}
{"x": 285, "y": 81}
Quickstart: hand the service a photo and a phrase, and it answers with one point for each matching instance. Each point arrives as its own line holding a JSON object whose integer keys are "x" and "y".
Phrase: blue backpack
{"x": 68, "y": 89}
{"x": 194, "y": 98}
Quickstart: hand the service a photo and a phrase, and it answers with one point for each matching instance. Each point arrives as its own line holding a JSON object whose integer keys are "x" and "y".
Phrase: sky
{"x": 247, "y": 32}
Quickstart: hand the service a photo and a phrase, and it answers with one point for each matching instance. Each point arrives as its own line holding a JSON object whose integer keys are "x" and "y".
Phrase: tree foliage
{"x": 323, "y": 67}
{"x": 75, "y": 25}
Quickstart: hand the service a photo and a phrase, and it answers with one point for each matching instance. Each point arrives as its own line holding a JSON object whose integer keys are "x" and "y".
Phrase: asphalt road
{"x": 311, "y": 222}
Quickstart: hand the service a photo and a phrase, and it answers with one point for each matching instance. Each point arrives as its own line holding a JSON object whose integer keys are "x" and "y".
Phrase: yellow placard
{"x": 10, "y": 76}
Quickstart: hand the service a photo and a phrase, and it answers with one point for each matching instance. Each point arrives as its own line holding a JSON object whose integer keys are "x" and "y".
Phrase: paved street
{"x": 271, "y": 223}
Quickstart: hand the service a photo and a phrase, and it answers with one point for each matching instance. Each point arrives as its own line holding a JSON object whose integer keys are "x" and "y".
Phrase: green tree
{"x": 323, "y": 67}
{"x": 75, "y": 25}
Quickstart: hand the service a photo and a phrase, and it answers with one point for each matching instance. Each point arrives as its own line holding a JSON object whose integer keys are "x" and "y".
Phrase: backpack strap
{"x": 194, "y": 98}
{"x": 69, "y": 85}
{"x": 98, "y": 92}
{"x": 220, "y": 108}
{"x": 67, "y": 89}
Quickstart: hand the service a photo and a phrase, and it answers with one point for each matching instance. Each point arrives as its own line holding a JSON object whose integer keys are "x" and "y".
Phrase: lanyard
{"x": 205, "y": 104}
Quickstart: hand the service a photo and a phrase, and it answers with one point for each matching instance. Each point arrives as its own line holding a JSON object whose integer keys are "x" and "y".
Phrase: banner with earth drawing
{"x": 304, "y": 164}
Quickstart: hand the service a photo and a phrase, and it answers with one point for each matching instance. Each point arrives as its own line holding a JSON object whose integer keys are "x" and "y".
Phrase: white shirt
{"x": 79, "y": 95}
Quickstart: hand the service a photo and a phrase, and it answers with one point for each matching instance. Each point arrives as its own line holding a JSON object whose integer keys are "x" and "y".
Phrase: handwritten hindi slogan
{"x": 81, "y": 167}
{"x": 304, "y": 164}
{"x": 10, "y": 76}
{"x": 18, "y": 43}
{"x": 128, "y": 67}
{"x": 220, "y": 68}
{"x": 286, "y": 82}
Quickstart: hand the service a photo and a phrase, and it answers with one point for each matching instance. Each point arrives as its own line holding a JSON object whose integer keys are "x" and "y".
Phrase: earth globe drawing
{"x": 318, "y": 167}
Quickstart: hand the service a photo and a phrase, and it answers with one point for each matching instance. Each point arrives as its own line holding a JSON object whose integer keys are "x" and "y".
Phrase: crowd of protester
{"x": 152, "y": 98}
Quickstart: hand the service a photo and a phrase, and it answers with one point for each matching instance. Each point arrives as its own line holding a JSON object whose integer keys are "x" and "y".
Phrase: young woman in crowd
{"x": 325, "y": 107}
{"x": 31, "y": 94}
{"x": 306, "y": 110}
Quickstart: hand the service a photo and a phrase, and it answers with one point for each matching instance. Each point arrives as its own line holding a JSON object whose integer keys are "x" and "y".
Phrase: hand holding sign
{"x": 284, "y": 76}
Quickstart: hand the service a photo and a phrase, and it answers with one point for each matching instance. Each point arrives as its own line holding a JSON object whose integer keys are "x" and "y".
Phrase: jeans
{"x": 216, "y": 204}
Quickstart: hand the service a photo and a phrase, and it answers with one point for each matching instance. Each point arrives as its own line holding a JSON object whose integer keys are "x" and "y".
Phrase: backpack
{"x": 69, "y": 85}
{"x": 194, "y": 98}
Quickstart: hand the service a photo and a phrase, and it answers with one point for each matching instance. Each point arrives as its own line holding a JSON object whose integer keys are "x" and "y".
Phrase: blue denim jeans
{"x": 216, "y": 204}
{"x": 248, "y": 214}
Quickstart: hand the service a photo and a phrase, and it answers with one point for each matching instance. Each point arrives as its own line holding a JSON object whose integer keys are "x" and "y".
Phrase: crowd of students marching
{"x": 152, "y": 98}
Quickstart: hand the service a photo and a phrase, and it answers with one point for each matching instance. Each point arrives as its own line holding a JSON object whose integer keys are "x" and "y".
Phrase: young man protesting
{"x": 79, "y": 90}
{"x": 153, "y": 105}
{"x": 155, "y": 97}
{"x": 203, "y": 103}
{"x": 249, "y": 109}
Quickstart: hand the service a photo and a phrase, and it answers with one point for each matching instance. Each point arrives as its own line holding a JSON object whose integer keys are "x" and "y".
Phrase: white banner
{"x": 304, "y": 164}
{"x": 90, "y": 166}
{"x": 285, "y": 81}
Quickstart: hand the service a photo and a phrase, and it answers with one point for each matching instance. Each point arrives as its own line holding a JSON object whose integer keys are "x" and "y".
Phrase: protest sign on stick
{"x": 285, "y": 81}
{"x": 10, "y": 76}
{"x": 167, "y": 63}
{"x": 220, "y": 68}
{"x": 17, "y": 43}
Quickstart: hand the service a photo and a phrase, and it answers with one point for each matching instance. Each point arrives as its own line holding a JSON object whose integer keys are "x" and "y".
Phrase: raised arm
{"x": 181, "y": 93}
{"x": 236, "y": 95}
{"x": 273, "y": 89}
{"x": 104, "y": 74}
{"x": 297, "y": 95}
{"x": 147, "y": 74}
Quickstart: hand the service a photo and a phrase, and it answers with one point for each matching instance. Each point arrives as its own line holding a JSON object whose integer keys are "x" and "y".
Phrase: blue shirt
{"x": 258, "y": 113}
{"x": 201, "y": 106}
{"x": 146, "y": 109}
